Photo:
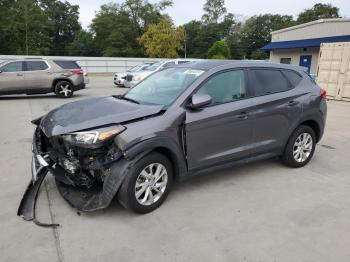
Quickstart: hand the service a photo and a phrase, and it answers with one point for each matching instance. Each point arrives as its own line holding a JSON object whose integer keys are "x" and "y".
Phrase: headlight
{"x": 93, "y": 136}
{"x": 137, "y": 78}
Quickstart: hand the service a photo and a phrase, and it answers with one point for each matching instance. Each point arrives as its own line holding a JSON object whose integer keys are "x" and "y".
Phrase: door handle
{"x": 292, "y": 103}
{"x": 243, "y": 115}
{"x": 19, "y": 74}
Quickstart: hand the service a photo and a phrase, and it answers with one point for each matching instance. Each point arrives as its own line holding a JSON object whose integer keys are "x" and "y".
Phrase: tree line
{"x": 137, "y": 28}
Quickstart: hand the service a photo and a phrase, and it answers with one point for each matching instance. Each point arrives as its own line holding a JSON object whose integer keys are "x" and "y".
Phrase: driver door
{"x": 223, "y": 130}
{"x": 12, "y": 77}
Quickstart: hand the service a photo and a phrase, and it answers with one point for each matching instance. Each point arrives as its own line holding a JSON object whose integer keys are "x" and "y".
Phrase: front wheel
{"x": 64, "y": 89}
{"x": 300, "y": 147}
{"x": 148, "y": 184}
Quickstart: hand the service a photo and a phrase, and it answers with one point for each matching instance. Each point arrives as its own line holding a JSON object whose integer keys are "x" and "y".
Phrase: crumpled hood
{"x": 95, "y": 112}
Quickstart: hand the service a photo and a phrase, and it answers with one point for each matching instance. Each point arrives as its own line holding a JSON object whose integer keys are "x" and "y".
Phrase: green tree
{"x": 214, "y": 10}
{"x": 318, "y": 11}
{"x": 237, "y": 50}
{"x": 22, "y": 28}
{"x": 162, "y": 39}
{"x": 83, "y": 45}
{"x": 219, "y": 50}
{"x": 63, "y": 24}
{"x": 200, "y": 36}
{"x": 256, "y": 31}
{"x": 142, "y": 13}
{"x": 117, "y": 28}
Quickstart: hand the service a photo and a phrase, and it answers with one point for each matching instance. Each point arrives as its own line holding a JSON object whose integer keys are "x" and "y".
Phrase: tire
{"x": 127, "y": 194}
{"x": 64, "y": 89}
{"x": 299, "y": 151}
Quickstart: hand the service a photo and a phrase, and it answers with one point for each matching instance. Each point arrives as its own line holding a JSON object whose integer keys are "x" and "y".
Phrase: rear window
{"x": 293, "y": 77}
{"x": 36, "y": 65}
{"x": 268, "y": 81}
{"x": 67, "y": 64}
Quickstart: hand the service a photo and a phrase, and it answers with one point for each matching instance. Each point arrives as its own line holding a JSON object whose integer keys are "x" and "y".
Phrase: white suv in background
{"x": 134, "y": 78}
{"x": 119, "y": 78}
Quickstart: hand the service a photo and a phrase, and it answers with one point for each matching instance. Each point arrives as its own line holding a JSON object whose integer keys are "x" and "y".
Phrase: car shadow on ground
{"x": 43, "y": 96}
{"x": 228, "y": 176}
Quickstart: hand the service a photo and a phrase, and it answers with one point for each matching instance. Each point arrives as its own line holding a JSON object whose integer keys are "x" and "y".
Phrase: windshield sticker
{"x": 194, "y": 72}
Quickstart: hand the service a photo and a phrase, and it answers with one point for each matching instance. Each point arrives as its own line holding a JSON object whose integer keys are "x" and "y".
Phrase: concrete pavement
{"x": 258, "y": 212}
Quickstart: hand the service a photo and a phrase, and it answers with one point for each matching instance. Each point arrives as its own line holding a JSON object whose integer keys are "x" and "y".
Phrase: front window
{"x": 225, "y": 87}
{"x": 12, "y": 67}
{"x": 164, "y": 87}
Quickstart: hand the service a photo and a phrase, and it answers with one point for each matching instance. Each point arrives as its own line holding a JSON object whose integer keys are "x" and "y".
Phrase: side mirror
{"x": 199, "y": 101}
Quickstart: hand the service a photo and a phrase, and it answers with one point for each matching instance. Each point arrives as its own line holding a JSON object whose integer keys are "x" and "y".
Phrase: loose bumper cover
{"x": 84, "y": 199}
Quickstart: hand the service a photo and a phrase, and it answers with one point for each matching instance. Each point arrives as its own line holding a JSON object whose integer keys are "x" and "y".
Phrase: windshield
{"x": 135, "y": 68}
{"x": 163, "y": 87}
{"x": 154, "y": 66}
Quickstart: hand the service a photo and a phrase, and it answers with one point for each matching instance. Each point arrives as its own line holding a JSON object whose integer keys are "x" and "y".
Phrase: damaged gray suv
{"x": 177, "y": 123}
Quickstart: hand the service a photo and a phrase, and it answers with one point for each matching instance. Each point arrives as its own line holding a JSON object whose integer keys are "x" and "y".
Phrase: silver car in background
{"x": 119, "y": 78}
{"x": 39, "y": 76}
{"x": 135, "y": 77}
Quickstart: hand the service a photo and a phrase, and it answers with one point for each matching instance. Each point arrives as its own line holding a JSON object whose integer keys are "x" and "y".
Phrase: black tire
{"x": 126, "y": 193}
{"x": 64, "y": 89}
{"x": 288, "y": 155}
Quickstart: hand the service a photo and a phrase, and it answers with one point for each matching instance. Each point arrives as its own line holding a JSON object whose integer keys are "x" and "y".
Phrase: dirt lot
{"x": 259, "y": 212}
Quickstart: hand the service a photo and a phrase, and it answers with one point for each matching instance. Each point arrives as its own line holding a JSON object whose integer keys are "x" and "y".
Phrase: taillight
{"x": 323, "y": 93}
{"x": 77, "y": 72}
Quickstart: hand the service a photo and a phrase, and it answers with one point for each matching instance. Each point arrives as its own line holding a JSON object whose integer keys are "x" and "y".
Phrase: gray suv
{"x": 36, "y": 76}
{"x": 177, "y": 123}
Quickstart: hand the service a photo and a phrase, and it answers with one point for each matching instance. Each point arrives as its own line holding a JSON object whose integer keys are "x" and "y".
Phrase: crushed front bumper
{"x": 84, "y": 199}
{"x": 26, "y": 207}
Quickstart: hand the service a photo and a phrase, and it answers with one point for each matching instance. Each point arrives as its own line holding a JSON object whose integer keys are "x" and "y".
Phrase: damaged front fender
{"x": 94, "y": 199}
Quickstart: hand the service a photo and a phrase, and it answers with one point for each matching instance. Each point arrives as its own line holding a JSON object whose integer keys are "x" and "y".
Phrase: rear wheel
{"x": 148, "y": 184}
{"x": 300, "y": 147}
{"x": 64, "y": 89}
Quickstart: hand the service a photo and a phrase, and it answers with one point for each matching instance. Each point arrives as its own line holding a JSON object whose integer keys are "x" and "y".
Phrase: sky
{"x": 184, "y": 11}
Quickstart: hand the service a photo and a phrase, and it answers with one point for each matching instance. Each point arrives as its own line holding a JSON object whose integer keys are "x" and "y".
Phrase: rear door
{"x": 277, "y": 107}
{"x": 12, "y": 77}
{"x": 38, "y": 76}
{"x": 221, "y": 131}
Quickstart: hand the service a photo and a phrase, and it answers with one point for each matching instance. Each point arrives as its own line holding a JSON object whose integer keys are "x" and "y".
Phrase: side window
{"x": 285, "y": 60}
{"x": 66, "y": 64}
{"x": 292, "y": 76}
{"x": 12, "y": 67}
{"x": 36, "y": 65}
{"x": 225, "y": 87}
{"x": 268, "y": 81}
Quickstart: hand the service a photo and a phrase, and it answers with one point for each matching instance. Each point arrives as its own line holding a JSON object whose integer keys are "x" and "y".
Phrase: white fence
{"x": 93, "y": 64}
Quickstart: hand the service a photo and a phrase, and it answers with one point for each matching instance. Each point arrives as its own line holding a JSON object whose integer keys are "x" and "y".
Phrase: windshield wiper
{"x": 127, "y": 99}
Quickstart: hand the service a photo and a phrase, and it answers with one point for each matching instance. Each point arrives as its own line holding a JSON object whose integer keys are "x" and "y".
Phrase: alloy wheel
{"x": 302, "y": 147}
{"x": 151, "y": 184}
{"x": 65, "y": 90}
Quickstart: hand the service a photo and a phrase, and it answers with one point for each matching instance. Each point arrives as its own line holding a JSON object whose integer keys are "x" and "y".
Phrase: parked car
{"x": 119, "y": 78}
{"x": 38, "y": 76}
{"x": 134, "y": 78}
{"x": 179, "y": 122}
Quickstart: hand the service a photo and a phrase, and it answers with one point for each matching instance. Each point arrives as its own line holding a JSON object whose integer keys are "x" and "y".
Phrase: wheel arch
{"x": 315, "y": 126}
{"x": 165, "y": 146}
{"x": 56, "y": 80}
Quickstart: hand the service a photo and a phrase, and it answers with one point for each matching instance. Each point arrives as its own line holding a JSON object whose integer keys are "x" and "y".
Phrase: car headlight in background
{"x": 93, "y": 136}
{"x": 137, "y": 78}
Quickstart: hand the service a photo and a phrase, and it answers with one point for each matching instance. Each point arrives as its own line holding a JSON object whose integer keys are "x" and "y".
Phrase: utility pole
{"x": 26, "y": 25}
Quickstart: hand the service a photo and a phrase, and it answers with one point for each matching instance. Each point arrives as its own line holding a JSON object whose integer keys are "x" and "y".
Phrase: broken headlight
{"x": 93, "y": 136}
